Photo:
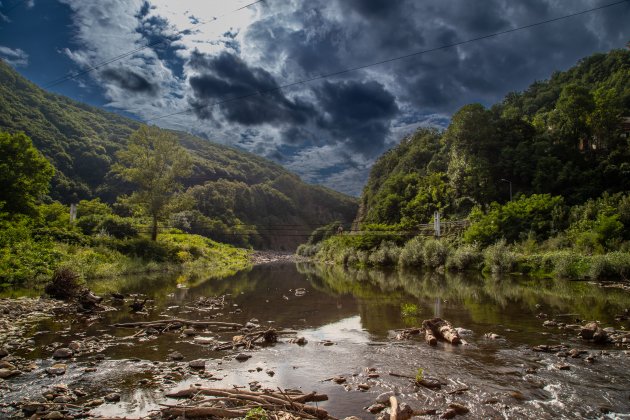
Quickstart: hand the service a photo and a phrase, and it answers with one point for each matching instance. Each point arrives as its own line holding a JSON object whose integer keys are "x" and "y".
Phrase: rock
{"x": 250, "y": 325}
{"x": 300, "y": 341}
{"x": 6, "y": 365}
{"x": 62, "y": 399}
{"x": 8, "y": 373}
{"x": 197, "y": 364}
{"x": 373, "y": 375}
{"x": 600, "y": 336}
{"x": 328, "y": 343}
{"x": 339, "y": 379}
{"x": 363, "y": 387}
{"x": 384, "y": 397}
{"x": 517, "y": 395}
{"x": 95, "y": 402}
{"x": 430, "y": 383}
{"x": 376, "y": 408}
{"x": 405, "y": 412}
{"x": 270, "y": 372}
{"x": 3, "y": 352}
{"x": 589, "y": 330}
{"x": 448, "y": 414}
{"x": 189, "y": 332}
{"x": 550, "y": 323}
{"x": 55, "y": 415}
{"x": 57, "y": 369}
{"x": 74, "y": 346}
{"x": 493, "y": 336}
{"x": 62, "y": 353}
{"x": 459, "y": 409}
{"x": 241, "y": 357}
{"x": 112, "y": 397}
{"x": 176, "y": 356}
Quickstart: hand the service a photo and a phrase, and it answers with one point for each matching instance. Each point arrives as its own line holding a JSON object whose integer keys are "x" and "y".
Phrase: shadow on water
{"x": 358, "y": 310}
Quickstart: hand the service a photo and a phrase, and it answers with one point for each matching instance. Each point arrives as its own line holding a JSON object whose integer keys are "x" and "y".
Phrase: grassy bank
{"x": 455, "y": 255}
{"x": 31, "y": 261}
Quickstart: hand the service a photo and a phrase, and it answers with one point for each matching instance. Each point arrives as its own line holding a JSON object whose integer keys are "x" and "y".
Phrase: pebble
{"x": 339, "y": 379}
{"x": 300, "y": 341}
{"x": 189, "y": 332}
{"x": 95, "y": 402}
{"x": 176, "y": 356}
{"x": 363, "y": 387}
{"x": 459, "y": 408}
{"x": 204, "y": 340}
{"x": 3, "y": 352}
{"x": 562, "y": 366}
{"x": 62, "y": 353}
{"x": 448, "y": 414}
{"x": 493, "y": 336}
{"x": 54, "y": 415}
{"x": 241, "y": 357}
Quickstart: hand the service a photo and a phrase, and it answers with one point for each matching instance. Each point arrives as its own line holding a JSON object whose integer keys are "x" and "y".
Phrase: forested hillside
{"x": 237, "y": 197}
{"x": 567, "y": 136}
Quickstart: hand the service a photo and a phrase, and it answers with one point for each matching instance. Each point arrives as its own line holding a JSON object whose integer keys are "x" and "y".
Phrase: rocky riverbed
{"x": 538, "y": 350}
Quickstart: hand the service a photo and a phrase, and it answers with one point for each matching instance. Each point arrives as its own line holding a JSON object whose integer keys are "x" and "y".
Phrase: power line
{"x": 389, "y": 60}
{"x": 132, "y": 52}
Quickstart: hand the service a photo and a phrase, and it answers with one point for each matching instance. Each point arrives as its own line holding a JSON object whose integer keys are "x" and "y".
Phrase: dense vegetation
{"x": 237, "y": 197}
{"x": 562, "y": 148}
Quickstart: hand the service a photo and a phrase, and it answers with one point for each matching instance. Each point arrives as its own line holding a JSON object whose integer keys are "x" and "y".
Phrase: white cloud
{"x": 14, "y": 56}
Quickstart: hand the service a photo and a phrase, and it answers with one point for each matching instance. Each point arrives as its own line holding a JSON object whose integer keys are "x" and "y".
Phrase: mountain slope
{"x": 239, "y": 197}
{"x": 565, "y": 136}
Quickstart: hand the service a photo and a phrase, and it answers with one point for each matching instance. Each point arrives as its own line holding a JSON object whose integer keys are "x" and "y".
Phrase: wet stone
{"x": 112, "y": 397}
{"x": 363, "y": 387}
{"x": 176, "y": 356}
{"x": 8, "y": 373}
{"x": 339, "y": 379}
{"x": 376, "y": 408}
{"x": 459, "y": 408}
{"x": 57, "y": 369}
{"x": 62, "y": 353}
{"x": 241, "y": 357}
{"x": 384, "y": 397}
{"x": 197, "y": 364}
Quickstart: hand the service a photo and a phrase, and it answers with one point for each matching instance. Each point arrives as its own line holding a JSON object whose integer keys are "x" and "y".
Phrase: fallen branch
{"x": 188, "y": 322}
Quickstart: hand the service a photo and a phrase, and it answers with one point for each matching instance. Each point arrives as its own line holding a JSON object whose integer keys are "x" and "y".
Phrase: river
{"x": 356, "y": 311}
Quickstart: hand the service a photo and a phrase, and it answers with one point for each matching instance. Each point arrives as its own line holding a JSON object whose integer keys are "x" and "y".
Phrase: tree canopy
{"x": 24, "y": 174}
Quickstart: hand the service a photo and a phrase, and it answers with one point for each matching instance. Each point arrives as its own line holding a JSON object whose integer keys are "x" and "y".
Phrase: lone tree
{"x": 24, "y": 174}
{"x": 155, "y": 162}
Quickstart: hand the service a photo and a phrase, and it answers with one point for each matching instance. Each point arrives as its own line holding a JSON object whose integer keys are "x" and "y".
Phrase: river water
{"x": 356, "y": 311}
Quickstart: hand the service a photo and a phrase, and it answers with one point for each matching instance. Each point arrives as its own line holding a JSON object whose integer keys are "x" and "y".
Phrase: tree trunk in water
{"x": 154, "y": 229}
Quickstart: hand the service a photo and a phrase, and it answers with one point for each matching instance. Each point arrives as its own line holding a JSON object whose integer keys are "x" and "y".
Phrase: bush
{"x": 498, "y": 258}
{"x": 386, "y": 254}
{"x": 411, "y": 253}
{"x": 434, "y": 253}
{"x": 118, "y": 227}
{"x": 64, "y": 284}
{"x": 306, "y": 250}
{"x": 89, "y": 224}
{"x": 615, "y": 265}
{"x": 464, "y": 258}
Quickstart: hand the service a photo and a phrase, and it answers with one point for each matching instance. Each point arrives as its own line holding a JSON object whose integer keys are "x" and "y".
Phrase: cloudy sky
{"x": 330, "y": 130}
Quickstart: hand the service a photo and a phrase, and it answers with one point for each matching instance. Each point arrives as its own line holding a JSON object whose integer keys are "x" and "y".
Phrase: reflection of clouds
{"x": 348, "y": 330}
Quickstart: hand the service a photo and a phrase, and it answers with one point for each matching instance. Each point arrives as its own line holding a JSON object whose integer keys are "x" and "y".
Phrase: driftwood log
{"x": 442, "y": 329}
{"x": 243, "y": 400}
{"x": 173, "y": 321}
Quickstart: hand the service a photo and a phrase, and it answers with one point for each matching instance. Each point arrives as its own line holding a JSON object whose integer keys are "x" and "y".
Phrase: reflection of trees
{"x": 486, "y": 299}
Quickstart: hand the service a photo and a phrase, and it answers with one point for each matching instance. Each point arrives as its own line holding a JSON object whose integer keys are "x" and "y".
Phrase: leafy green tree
{"x": 24, "y": 174}
{"x": 155, "y": 162}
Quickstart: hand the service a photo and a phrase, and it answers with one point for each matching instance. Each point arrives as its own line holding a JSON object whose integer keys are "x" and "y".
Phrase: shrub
{"x": 118, "y": 227}
{"x": 464, "y": 258}
{"x": 411, "y": 253}
{"x": 609, "y": 266}
{"x": 64, "y": 284}
{"x": 434, "y": 253}
{"x": 498, "y": 258}
{"x": 386, "y": 254}
{"x": 565, "y": 264}
{"x": 89, "y": 224}
{"x": 306, "y": 250}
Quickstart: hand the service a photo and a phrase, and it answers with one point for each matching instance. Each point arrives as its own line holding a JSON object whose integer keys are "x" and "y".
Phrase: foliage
{"x": 419, "y": 375}
{"x": 498, "y": 258}
{"x": 560, "y": 137}
{"x": 24, "y": 174}
{"x": 155, "y": 163}
{"x": 538, "y": 214}
{"x": 412, "y": 254}
{"x": 434, "y": 253}
{"x": 256, "y": 413}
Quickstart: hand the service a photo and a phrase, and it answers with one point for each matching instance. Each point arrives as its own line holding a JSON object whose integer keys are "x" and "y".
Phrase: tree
{"x": 24, "y": 174}
{"x": 154, "y": 162}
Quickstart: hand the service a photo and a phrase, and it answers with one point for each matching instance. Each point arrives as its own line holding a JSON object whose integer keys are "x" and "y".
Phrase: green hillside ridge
{"x": 239, "y": 197}
{"x": 562, "y": 145}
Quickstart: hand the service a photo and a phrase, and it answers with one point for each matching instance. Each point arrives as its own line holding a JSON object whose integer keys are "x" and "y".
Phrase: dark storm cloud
{"x": 226, "y": 76}
{"x": 357, "y": 114}
{"x": 130, "y": 81}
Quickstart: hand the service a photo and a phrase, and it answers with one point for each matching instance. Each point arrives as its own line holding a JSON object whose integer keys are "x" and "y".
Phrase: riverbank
{"x": 522, "y": 358}
{"x": 451, "y": 254}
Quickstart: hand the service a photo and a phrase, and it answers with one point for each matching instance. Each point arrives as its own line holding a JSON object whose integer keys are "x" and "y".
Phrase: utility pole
{"x": 436, "y": 224}
{"x": 509, "y": 182}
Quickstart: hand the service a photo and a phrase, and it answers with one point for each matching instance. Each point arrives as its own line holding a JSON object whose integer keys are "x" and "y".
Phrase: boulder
{"x": 62, "y": 353}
